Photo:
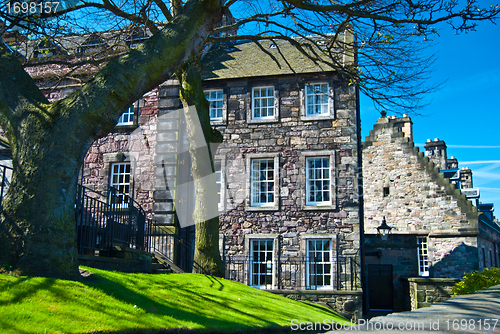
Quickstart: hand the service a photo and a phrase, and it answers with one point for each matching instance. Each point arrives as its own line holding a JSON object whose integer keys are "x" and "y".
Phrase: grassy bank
{"x": 118, "y": 302}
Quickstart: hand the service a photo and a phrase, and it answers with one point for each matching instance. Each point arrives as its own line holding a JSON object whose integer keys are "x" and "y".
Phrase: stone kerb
{"x": 427, "y": 291}
{"x": 346, "y": 303}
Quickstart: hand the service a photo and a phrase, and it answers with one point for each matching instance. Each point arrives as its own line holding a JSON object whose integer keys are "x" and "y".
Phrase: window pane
{"x": 262, "y": 102}
{"x": 316, "y": 99}
{"x": 319, "y": 265}
{"x": 215, "y": 102}
{"x": 261, "y": 265}
{"x": 262, "y": 182}
{"x": 120, "y": 180}
{"x": 318, "y": 183}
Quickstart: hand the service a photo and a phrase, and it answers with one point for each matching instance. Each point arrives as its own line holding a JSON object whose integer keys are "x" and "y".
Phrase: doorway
{"x": 380, "y": 287}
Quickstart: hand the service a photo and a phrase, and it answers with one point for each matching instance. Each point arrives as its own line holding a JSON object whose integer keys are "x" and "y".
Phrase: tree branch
{"x": 349, "y": 9}
{"x": 124, "y": 80}
{"x": 17, "y": 92}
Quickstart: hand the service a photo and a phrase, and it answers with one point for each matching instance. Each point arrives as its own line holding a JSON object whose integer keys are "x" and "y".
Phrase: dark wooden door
{"x": 380, "y": 288}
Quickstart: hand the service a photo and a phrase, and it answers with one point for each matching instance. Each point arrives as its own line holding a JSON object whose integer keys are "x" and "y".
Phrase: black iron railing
{"x": 173, "y": 247}
{"x": 5, "y": 176}
{"x": 104, "y": 221}
{"x": 343, "y": 273}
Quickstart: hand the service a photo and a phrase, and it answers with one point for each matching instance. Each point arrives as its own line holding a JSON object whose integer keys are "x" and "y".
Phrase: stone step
{"x": 155, "y": 266}
{"x": 162, "y": 271}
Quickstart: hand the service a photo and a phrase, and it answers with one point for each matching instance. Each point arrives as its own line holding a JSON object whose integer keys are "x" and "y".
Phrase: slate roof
{"x": 245, "y": 59}
{"x": 72, "y": 45}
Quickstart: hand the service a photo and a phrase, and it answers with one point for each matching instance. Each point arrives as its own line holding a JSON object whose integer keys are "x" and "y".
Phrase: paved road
{"x": 474, "y": 313}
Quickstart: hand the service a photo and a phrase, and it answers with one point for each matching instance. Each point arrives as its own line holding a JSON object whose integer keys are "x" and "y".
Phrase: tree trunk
{"x": 205, "y": 216}
{"x": 49, "y": 141}
{"x": 38, "y": 211}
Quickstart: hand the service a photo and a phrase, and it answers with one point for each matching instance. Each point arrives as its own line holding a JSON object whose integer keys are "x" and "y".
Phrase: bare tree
{"x": 49, "y": 140}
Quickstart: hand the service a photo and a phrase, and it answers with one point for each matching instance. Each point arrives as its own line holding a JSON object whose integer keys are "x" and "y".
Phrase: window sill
{"x": 263, "y": 120}
{"x": 318, "y": 207}
{"x": 217, "y": 122}
{"x": 262, "y": 208}
{"x": 126, "y": 126}
{"x": 316, "y": 118}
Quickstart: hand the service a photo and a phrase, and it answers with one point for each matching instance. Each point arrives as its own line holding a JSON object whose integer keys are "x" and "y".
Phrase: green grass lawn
{"x": 141, "y": 303}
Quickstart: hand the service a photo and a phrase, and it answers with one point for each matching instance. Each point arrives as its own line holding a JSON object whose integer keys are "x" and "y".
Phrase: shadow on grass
{"x": 185, "y": 309}
{"x": 246, "y": 330}
{"x": 45, "y": 283}
{"x": 165, "y": 304}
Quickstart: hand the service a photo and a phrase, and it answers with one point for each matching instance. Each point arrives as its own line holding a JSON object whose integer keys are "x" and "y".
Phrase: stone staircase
{"x": 162, "y": 265}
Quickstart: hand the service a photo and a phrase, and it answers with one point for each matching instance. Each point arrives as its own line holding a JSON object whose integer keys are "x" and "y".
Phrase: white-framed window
{"x": 261, "y": 263}
{"x": 215, "y": 98}
{"x": 120, "y": 181}
{"x": 423, "y": 256}
{"x": 317, "y": 99}
{"x": 263, "y": 106}
{"x": 318, "y": 181}
{"x": 127, "y": 118}
{"x": 262, "y": 182}
{"x": 220, "y": 165}
{"x": 319, "y": 264}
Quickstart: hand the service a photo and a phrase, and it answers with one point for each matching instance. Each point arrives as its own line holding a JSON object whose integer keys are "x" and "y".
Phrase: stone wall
{"x": 135, "y": 144}
{"x": 407, "y": 188}
{"x": 453, "y": 255}
{"x": 289, "y": 140}
{"x": 488, "y": 243}
{"x": 346, "y": 303}
{"x": 427, "y": 291}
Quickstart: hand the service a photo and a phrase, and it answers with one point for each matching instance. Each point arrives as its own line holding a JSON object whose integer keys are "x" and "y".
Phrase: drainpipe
{"x": 361, "y": 205}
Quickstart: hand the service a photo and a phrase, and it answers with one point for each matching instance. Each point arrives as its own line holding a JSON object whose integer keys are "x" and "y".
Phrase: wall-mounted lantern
{"x": 384, "y": 230}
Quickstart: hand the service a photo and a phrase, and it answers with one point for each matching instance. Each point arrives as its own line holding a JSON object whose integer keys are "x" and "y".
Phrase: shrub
{"x": 477, "y": 280}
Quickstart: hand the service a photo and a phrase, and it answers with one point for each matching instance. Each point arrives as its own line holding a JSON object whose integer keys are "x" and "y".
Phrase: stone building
{"x": 287, "y": 170}
{"x": 291, "y": 156}
{"x": 437, "y": 232}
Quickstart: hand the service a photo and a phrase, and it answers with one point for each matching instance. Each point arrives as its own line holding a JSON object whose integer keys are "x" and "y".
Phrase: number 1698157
{"x": 31, "y": 8}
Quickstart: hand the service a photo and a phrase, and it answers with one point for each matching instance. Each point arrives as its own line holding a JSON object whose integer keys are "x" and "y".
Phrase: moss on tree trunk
{"x": 207, "y": 253}
{"x": 49, "y": 140}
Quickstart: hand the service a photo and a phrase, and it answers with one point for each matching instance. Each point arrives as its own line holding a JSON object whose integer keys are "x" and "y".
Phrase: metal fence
{"x": 173, "y": 247}
{"x": 104, "y": 221}
{"x": 5, "y": 176}
{"x": 343, "y": 273}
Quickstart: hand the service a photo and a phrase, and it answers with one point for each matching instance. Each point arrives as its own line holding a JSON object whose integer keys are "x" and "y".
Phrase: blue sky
{"x": 465, "y": 112}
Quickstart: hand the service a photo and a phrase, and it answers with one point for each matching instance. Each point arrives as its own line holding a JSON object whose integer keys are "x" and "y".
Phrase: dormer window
{"x": 92, "y": 44}
{"x": 137, "y": 38}
{"x": 127, "y": 118}
{"x": 46, "y": 48}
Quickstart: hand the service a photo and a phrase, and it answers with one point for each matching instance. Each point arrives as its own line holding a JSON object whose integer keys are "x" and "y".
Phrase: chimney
{"x": 466, "y": 178}
{"x": 452, "y": 163}
{"x": 436, "y": 151}
{"x": 404, "y": 123}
